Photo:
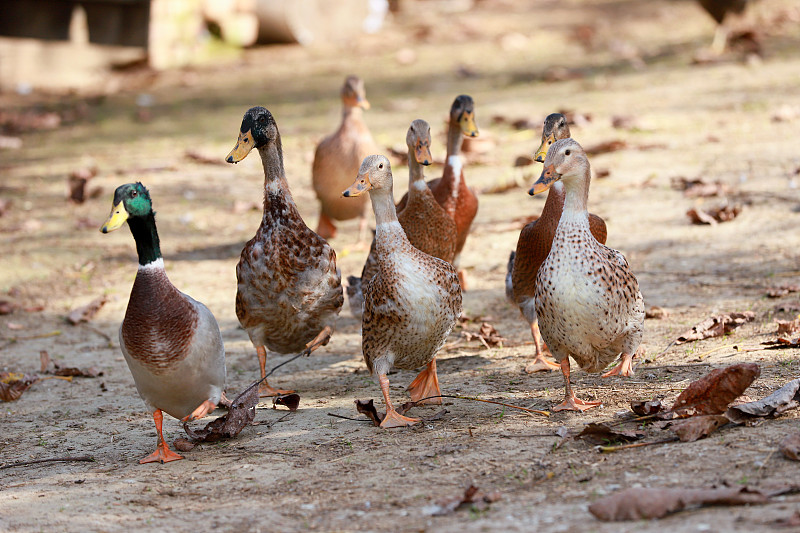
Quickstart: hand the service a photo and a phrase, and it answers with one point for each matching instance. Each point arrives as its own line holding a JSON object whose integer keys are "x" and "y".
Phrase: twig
{"x": 688, "y": 365}
{"x": 272, "y": 422}
{"x": 12, "y": 340}
{"x": 349, "y": 418}
{"x": 609, "y": 449}
{"x": 543, "y": 413}
{"x": 82, "y": 458}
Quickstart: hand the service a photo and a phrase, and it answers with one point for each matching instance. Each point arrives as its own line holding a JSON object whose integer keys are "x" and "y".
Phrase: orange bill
{"x": 422, "y": 153}
{"x": 244, "y": 144}
{"x": 361, "y": 185}
{"x": 467, "y": 123}
{"x": 549, "y": 177}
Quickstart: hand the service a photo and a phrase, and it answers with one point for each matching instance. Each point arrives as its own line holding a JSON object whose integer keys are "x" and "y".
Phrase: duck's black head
{"x": 258, "y": 129}
{"x": 130, "y": 201}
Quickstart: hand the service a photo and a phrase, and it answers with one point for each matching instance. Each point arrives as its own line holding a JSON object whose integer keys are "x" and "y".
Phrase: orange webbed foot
{"x": 540, "y": 364}
{"x": 426, "y": 384}
{"x": 624, "y": 368}
{"x": 202, "y": 410}
{"x": 162, "y": 455}
{"x": 576, "y": 404}
{"x": 265, "y": 389}
{"x": 394, "y": 419}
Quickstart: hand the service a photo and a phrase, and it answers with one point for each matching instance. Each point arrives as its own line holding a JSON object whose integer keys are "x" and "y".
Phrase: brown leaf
{"x": 656, "y": 312}
{"x": 645, "y": 408}
{"x": 523, "y": 161}
{"x": 6, "y": 307}
{"x": 783, "y": 399}
{"x": 788, "y": 327}
{"x": 790, "y": 447}
{"x": 12, "y": 385}
{"x": 91, "y": 372}
{"x": 639, "y": 503}
{"x": 487, "y": 335}
{"x": 716, "y": 326}
{"x": 472, "y": 496}
{"x": 291, "y": 400}
{"x": 241, "y": 414}
{"x": 367, "y": 407}
{"x": 697, "y": 427}
{"x": 78, "y": 180}
{"x": 711, "y": 394}
{"x": 699, "y": 188}
{"x": 602, "y": 434}
{"x": 183, "y": 445}
{"x": 44, "y": 360}
{"x": 713, "y": 215}
{"x": 86, "y": 313}
{"x": 606, "y": 147}
{"x": 783, "y": 290}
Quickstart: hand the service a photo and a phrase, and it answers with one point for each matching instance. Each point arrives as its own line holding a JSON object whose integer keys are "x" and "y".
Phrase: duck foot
{"x": 393, "y": 419}
{"x": 321, "y": 339}
{"x": 540, "y": 364}
{"x": 624, "y": 368}
{"x": 162, "y": 454}
{"x": 426, "y": 384}
{"x": 326, "y": 228}
{"x": 265, "y": 389}
{"x": 574, "y": 403}
{"x": 202, "y": 410}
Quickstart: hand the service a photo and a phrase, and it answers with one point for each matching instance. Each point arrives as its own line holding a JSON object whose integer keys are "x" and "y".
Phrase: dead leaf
{"x": 197, "y": 157}
{"x": 624, "y": 122}
{"x": 711, "y": 394}
{"x": 291, "y": 400}
{"x": 241, "y": 414}
{"x": 697, "y": 427}
{"x": 656, "y": 312}
{"x": 790, "y": 447}
{"x": 487, "y": 335}
{"x": 602, "y": 434}
{"x": 183, "y": 445}
{"x": 606, "y": 147}
{"x": 777, "y": 292}
{"x": 44, "y": 362}
{"x": 788, "y": 327}
{"x": 472, "y": 496}
{"x": 6, "y": 307}
{"x": 716, "y": 326}
{"x": 645, "y": 408}
{"x": 367, "y": 407}
{"x": 713, "y": 215}
{"x": 699, "y": 188}
{"x": 780, "y": 401}
{"x": 78, "y": 179}
{"x": 12, "y": 385}
{"x": 600, "y": 173}
{"x": 523, "y": 161}
{"x": 639, "y": 503}
{"x": 86, "y": 313}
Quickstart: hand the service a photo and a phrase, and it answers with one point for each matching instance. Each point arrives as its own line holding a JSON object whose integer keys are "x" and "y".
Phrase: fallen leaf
{"x": 86, "y": 312}
{"x": 44, "y": 362}
{"x": 183, "y": 445}
{"x": 656, "y": 312}
{"x": 601, "y": 173}
{"x": 711, "y": 394}
{"x": 197, "y": 157}
{"x": 780, "y": 401}
{"x": 487, "y": 335}
{"x": 645, "y": 408}
{"x": 78, "y": 179}
{"x": 291, "y": 400}
{"x": 472, "y": 496}
{"x": 712, "y": 216}
{"x": 790, "y": 447}
{"x": 523, "y": 161}
{"x": 777, "y": 292}
{"x": 6, "y": 307}
{"x": 624, "y": 122}
{"x": 699, "y": 188}
{"x": 639, "y": 503}
{"x": 697, "y": 427}
{"x": 606, "y": 147}
{"x": 241, "y": 414}
{"x": 12, "y": 385}
{"x": 602, "y": 434}
{"x": 367, "y": 407}
{"x": 788, "y": 327}
{"x": 716, "y": 326}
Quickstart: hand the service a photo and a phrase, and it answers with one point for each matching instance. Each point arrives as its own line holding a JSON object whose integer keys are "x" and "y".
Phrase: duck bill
{"x": 422, "y": 153}
{"x": 243, "y": 146}
{"x": 467, "y": 123}
{"x": 549, "y": 177}
{"x": 363, "y": 103}
{"x": 116, "y": 219}
{"x": 541, "y": 152}
{"x": 358, "y": 188}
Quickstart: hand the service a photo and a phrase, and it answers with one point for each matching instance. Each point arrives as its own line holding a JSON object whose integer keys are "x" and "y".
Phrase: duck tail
{"x": 509, "y": 284}
{"x": 354, "y": 296}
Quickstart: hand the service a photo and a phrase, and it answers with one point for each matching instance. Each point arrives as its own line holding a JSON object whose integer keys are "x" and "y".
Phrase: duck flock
{"x": 580, "y": 297}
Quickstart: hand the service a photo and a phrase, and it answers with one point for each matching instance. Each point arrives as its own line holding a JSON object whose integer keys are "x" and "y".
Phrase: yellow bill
{"x": 467, "y": 123}
{"x": 244, "y": 144}
{"x": 361, "y": 185}
{"x": 116, "y": 219}
{"x": 541, "y": 152}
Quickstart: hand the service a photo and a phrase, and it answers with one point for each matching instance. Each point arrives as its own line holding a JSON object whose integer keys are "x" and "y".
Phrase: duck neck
{"x": 277, "y": 197}
{"x": 416, "y": 177}
{"x": 146, "y": 237}
{"x": 350, "y": 113}
{"x": 453, "y": 140}
{"x": 576, "y": 189}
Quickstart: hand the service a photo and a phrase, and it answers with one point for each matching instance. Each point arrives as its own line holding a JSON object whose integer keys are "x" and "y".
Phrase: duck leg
{"x": 623, "y": 368}
{"x": 321, "y": 339}
{"x": 426, "y": 384}
{"x": 572, "y": 402}
{"x": 265, "y": 389}
{"x": 393, "y": 419}
{"x": 202, "y": 410}
{"x": 539, "y": 363}
{"x": 162, "y": 454}
{"x": 326, "y": 228}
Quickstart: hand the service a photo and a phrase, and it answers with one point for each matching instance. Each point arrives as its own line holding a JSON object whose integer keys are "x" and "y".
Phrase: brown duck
{"x": 427, "y": 225}
{"x": 411, "y": 303}
{"x": 535, "y": 241}
{"x": 289, "y": 289}
{"x": 337, "y": 159}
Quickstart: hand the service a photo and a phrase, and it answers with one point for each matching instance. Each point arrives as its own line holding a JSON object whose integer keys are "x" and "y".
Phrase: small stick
{"x": 348, "y": 418}
{"x": 609, "y": 449}
{"x": 82, "y": 458}
{"x": 543, "y": 413}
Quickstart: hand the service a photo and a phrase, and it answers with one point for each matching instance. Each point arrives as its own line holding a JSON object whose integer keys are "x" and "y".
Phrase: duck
{"x": 412, "y": 302}
{"x": 427, "y": 225}
{"x": 719, "y": 10}
{"x": 451, "y": 191}
{"x": 587, "y": 298}
{"x": 336, "y": 161}
{"x": 535, "y": 242}
{"x": 171, "y": 342}
{"x": 289, "y": 290}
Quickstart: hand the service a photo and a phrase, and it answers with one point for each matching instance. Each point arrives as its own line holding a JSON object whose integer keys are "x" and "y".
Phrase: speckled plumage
{"x": 289, "y": 288}
{"x": 587, "y": 299}
{"x": 426, "y": 224}
{"x": 339, "y": 155}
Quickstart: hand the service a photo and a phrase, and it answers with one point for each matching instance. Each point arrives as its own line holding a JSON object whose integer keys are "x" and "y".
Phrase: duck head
{"x": 418, "y": 140}
{"x": 375, "y": 174}
{"x": 565, "y": 160}
{"x": 258, "y": 129}
{"x": 354, "y": 94}
{"x": 130, "y": 200}
{"x": 462, "y": 112}
{"x": 555, "y": 128}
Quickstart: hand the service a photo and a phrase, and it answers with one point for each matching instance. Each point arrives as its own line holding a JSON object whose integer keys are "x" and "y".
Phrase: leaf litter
{"x": 86, "y": 312}
{"x": 13, "y": 384}
{"x": 780, "y": 401}
{"x": 241, "y": 414}
{"x": 716, "y": 326}
{"x": 472, "y": 497}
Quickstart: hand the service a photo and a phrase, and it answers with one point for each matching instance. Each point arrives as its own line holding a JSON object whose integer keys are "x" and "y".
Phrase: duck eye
{"x": 567, "y": 152}
{"x": 134, "y": 194}
{"x": 262, "y": 119}
{"x": 380, "y": 166}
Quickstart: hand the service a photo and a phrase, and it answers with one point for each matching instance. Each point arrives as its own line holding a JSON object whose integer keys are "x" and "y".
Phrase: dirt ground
{"x": 735, "y": 120}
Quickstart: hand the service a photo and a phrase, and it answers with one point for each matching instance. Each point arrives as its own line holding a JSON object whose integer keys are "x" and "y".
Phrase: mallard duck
{"x": 451, "y": 191}
{"x": 337, "y": 159}
{"x": 718, "y": 10}
{"x": 289, "y": 289}
{"x": 170, "y": 341}
{"x": 535, "y": 241}
{"x": 587, "y": 299}
{"x": 411, "y": 303}
{"x": 427, "y": 225}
